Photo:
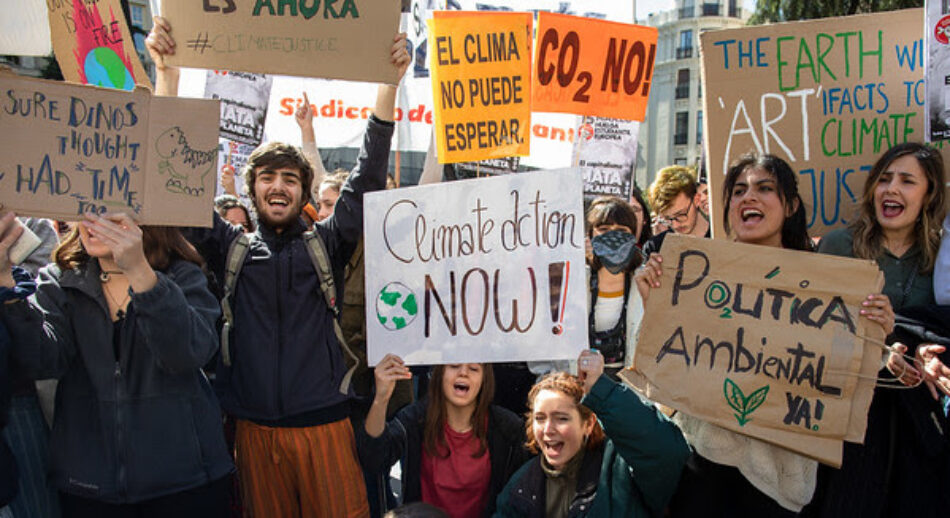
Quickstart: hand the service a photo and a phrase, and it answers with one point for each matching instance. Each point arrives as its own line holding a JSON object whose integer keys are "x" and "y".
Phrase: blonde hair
{"x": 670, "y": 182}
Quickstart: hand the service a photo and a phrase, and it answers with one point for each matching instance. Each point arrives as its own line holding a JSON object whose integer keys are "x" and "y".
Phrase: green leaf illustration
{"x": 734, "y": 395}
{"x": 742, "y": 404}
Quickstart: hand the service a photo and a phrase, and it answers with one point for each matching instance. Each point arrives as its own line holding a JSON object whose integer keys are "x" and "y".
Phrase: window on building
{"x": 688, "y": 9}
{"x": 681, "y": 135}
{"x": 137, "y": 15}
{"x": 711, "y": 9}
{"x": 682, "y": 84}
{"x": 699, "y": 127}
{"x": 685, "y": 48}
{"x": 679, "y": 161}
{"x": 734, "y": 9}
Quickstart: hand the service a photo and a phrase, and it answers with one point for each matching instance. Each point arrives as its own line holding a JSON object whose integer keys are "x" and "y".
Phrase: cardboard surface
{"x": 829, "y": 96}
{"x": 93, "y": 45}
{"x": 71, "y": 149}
{"x": 483, "y": 270}
{"x": 771, "y": 342}
{"x": 593, "y": 67}
{"x": 481, "y": 84}
{"x": 345, "y": 39}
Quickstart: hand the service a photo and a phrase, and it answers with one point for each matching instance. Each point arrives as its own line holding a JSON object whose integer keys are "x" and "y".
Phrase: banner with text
{"x": 71, "y": 149}
{"x": 593, "y": 67}
{"x": 605, "y": 150}
{"x": 937, "y": 66}
{"x": 346, "y": 39}
{"x": 481, "y": 87}
{"x": 771, "y": 341}
{"x": 829, "y": 96}
{"x": 93, "y": 45}
{"x": 486, "y": 270}
{"x": 244, "y": 98}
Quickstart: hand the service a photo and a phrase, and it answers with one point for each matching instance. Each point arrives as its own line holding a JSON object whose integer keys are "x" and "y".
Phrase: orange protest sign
{"x": 593, "y": 67}
{"x": 481, "y": 84}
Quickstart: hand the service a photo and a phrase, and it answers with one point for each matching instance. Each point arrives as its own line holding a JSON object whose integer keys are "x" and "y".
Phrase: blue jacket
{"x": 286, "y": 364}
{"x": 147, "y": 425}
{"x": 634, "y": 473}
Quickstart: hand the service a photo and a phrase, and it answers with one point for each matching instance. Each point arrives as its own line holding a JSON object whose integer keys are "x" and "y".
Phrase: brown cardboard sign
{"x": 339, "y": 39}
{"x": 71, "y": 149}
{"x": 762, "y": 341}
{"x": 829, "y": 96}
{"x": 93, "y": 45}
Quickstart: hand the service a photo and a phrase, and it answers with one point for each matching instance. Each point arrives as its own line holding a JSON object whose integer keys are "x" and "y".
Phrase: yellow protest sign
{"x": 481, "y": 85}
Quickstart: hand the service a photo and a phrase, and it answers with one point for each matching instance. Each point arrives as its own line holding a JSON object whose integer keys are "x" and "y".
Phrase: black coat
{"x": 403, "y": 437}
{"x": 8, "y": 472}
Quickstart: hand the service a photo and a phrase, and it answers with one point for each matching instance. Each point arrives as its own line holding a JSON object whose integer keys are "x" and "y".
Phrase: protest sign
{"x": 236, "y": 155}
{"x": 829, "y": 96}
{"x": 771, "y": 341}
{"x": 481, "y": 66}
{"x": 345, "y": 39}
{"x": 24, "y": 29}
{"x": 244, "y": 99}
{"x": 486, "y": 270}
{"x": 93, "y": 46}
{"x": 490, "y": 167}
{"x": 72, "y": 149}
{"x": 605, "y": 150}
{"x": 937, "y": 66}
{"x": 593, "y": 67}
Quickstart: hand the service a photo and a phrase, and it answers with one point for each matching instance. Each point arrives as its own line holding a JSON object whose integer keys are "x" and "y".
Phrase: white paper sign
{"x": 485, "y": 270}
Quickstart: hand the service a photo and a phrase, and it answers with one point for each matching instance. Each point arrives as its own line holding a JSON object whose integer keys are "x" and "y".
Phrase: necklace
{"x": 105, "y": 275}
{"x": 120, "y": 312}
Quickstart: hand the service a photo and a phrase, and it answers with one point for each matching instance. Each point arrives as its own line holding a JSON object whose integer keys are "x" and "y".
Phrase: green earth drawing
{"x": 103, "y": 67}
{"x": 396, "y": 306}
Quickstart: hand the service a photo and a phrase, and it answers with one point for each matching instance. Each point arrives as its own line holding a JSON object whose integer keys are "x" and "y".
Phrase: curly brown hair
{"x": 570, "y": 386}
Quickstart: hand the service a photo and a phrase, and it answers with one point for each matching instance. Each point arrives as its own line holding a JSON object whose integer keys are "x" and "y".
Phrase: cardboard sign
{"x": 244, "y": 99}
{"x": 486, "y": 270}
{"x": 481, "y": 87}
{"x": 771, "y": 341}
{"x": 829, "y": 96}
{"x": 93, "y": 46}
{"x": 72, "y": 149}
{"x": 605, "y": 150}
{"x": 343, "y": 39}
{"x": 593, "y": 67}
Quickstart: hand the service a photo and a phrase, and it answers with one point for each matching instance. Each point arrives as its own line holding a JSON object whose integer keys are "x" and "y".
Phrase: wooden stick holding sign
{"x": 762, "y": 341}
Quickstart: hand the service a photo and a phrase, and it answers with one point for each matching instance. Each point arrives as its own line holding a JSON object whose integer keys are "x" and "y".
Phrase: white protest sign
{"x": 486, "y": 270}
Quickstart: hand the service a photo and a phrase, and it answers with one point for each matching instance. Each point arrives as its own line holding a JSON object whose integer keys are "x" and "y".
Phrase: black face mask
{"x": 615, "y": 250}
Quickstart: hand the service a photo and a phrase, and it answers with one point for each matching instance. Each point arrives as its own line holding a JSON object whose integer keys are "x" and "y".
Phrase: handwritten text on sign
{"x": 593, "y": 67}
{"x": 342, "y": 39}
{"x": 769, "y": 338}
{"x": 829, "y": 96}
{"x": 70, "y": 149}
{"x": 481, "y": 66}
{"x": 484, "y": 270}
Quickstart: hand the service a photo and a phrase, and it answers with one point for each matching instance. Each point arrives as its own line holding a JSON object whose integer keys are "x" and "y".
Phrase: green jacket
{"x": 634, "y": 473}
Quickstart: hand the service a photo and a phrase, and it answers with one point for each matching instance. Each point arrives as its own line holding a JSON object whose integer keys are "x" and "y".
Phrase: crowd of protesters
{"x": 222, "y": 371}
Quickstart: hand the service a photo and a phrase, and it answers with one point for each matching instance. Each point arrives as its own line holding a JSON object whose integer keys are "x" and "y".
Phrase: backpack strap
{"x": 321, "y": 263}
{"x": 237, "y": 251}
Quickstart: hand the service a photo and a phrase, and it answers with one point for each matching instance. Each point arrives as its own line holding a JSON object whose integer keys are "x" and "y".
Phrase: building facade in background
{"x": 672, "y": 132}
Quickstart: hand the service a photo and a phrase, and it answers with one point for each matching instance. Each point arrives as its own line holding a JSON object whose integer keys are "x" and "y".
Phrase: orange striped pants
{"x": 305, "y": 472}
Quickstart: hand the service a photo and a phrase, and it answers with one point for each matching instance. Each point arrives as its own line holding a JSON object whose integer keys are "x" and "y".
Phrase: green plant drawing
{"x": 742, "y": 404}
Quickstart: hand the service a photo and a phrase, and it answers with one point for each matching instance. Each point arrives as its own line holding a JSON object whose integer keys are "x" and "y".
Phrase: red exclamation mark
{"x": 558, "y": 275}
{"x": 649, "y": 70}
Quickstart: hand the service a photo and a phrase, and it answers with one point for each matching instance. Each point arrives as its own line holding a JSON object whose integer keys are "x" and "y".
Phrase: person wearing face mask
{"x": 602, "y": 451}
{"x": 905, "y": 452}
{"x": 614, "y": 308}
{"x": 457, "y": 449}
